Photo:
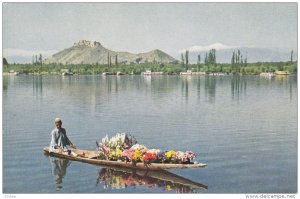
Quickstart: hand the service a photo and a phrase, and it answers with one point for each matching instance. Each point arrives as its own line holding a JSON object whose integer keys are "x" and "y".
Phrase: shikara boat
{"x": 282, "y": 73}
{"x": 91, "y": 157}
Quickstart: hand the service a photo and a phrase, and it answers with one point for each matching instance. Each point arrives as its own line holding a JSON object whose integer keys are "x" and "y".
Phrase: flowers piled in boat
{"x": 183, "y": 157}
{"x": 137, "y": 156}
{"x": 170, "y": 154}
{"x": 124, "y": 147}
{"x": 113, "y": 148}
{"x": 120, "y": 140}
{"x": 149, "y": 157}
{"x": 127, "y": 154}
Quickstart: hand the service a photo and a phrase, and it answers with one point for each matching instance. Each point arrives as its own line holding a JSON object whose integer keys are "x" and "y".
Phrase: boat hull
{"x": 152, "y": 166}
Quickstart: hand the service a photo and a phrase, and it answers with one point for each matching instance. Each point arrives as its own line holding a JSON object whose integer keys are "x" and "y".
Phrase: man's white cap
{"x": 57, "y": 119}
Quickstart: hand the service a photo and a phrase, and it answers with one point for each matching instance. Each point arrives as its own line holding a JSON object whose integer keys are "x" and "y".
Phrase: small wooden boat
{"x": 91, "y": 157}
{"x": 282, "y": 73}
{"x": 67, "y": 74}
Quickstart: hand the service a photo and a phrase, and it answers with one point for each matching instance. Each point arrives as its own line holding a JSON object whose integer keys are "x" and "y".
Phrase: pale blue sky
{"x": 140, "y": 27}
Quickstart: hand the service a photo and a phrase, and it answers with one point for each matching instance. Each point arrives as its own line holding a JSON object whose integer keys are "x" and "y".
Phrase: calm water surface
{"x": 244, "y": 128}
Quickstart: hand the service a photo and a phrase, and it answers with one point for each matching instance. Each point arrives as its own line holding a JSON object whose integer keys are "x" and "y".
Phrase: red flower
{"x": 149, "y": 157}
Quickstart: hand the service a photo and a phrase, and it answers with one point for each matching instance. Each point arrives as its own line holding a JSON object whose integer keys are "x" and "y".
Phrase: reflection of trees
{"x": 185, "y": 86}
{"x": 37, "y": 85}
{"x": 5, "y": 82}
{"x": 210, "y": 88}
{"x": 198, "y": 87}
{"x": 122, "y": 178}
{"x": 59, "y": 170}
{"x": 238, "y": 86}
{"x": 287, "y": 82}
{"x": 97, "y": 90}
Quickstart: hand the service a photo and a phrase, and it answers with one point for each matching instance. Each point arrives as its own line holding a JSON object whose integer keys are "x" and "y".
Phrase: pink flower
{"x": 106, "y": 149}
{"x": 153, "y": 151}
{"x": 128, "y": 153}
{"x": 190, "y": 155}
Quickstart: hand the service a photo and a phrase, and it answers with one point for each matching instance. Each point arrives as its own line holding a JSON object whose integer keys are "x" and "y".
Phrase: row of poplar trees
{"x": 209, "y": 60}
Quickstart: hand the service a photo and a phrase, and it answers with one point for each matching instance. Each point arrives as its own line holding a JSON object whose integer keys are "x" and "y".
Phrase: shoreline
{"x": 202, "y": 75}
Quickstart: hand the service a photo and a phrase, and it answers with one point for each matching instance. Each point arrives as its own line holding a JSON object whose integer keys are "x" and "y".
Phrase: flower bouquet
{"x": 124, "y": 147}
{"x": 113, "y": 148}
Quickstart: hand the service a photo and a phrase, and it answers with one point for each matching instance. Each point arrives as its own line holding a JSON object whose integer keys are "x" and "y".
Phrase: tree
{"x": 182, "y": 59}
{"x": 233, "y": 58}
{"x": 5, "y": 63}
{"x": 41, "y": 59}
{"x": 41, "y": 62}
{"x": 213, "y": 57}
{"x": 186, "y": 59}
{"x": 292, "y": 52}
{"x": 233, "y": 61}
{"x": 238, "y": 57}
{"x": 108, "y": 57}
{"x": 116, "y": 60}
{"x": 245, "y": 61}
{"x": 137, "y": 60}
{"x": 206, "y": 59}
{"x": 36, "y": 59}
{"x": 198, "y": 62}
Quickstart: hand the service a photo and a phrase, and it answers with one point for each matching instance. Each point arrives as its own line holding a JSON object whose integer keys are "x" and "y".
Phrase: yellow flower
{"x": 118, "y": 153}
{"x": 137, "y": 155}
{"x": 170, "y": 154}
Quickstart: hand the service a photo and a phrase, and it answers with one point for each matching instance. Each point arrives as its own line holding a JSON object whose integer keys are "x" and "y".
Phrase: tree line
{"x": 239, "y": 65}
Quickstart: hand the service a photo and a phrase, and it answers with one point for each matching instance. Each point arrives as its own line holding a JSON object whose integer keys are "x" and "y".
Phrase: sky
{"x": 140, "y": 27}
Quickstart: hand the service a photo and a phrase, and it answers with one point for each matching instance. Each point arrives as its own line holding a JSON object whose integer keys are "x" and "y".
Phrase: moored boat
{"x": 92, "y": 158}
{"x": 67, "y": 74}
{"x": 282, "y": 73}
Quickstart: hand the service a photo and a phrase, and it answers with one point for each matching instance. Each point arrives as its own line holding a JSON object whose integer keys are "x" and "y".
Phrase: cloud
{"x": 13, "y": 52}
{"x": 217, "y": 46}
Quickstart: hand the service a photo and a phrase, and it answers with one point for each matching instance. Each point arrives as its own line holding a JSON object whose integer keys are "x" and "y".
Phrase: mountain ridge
{"x": 92, "y": 52}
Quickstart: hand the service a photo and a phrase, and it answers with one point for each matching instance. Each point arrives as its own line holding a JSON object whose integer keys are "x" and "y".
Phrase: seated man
{"x": 59, "y": 139}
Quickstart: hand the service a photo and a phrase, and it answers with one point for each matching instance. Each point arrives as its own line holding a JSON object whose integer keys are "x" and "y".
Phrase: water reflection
{"x": 59, "y": 170}
{"x": 122, "y": 178}
{"x": 185, "y": 86}
{"x": 198, "y": 88}
{"x": 210, "y": 88}
{"x": 238, "y": 87}
{"x": 5, "y": 83}
{"x": 104, "y": 88}
{"x": 37, "y": 85}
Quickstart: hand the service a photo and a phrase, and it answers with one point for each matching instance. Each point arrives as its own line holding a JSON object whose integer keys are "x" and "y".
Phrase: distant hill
{"x": 92, "y": 52}
{"x": 224, "y": 53}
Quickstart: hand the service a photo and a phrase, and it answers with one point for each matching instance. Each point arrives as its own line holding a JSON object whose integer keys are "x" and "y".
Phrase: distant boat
{"x": 11, "y": 72}
{"x": 281, "y": 72}
{"x": 217, "y": 74}
{"x": 189, "y": 72}
{"x": 120, "y": 73}
{"x": 107, "y": 73}
{"x": 67, "y": 74}
{"x": 267, "y": 74}
{"x": 149, "y": 72}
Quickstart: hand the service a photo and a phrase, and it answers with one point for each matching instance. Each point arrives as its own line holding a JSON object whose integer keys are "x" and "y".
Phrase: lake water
{"x": 244, "y": 128}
